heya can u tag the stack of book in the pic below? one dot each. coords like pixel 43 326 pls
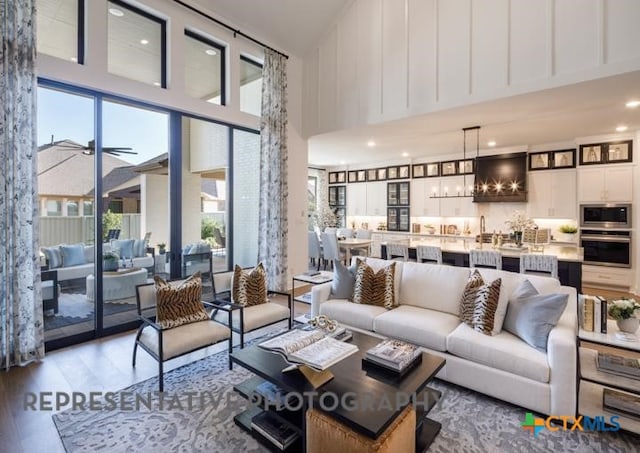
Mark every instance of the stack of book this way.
pixel 621 366
pixel 279 433
pixel 593 313
pixel 394 355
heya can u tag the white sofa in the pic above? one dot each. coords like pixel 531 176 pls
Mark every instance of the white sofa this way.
pixel 502 366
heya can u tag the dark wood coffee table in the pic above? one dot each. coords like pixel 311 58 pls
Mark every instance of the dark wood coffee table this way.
pixel 351 378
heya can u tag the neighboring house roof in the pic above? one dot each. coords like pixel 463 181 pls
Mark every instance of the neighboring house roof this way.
pixel 210 188
pixel 69 172
pixel 157 165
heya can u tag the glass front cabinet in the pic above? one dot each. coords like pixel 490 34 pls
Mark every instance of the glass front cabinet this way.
pixel 398 206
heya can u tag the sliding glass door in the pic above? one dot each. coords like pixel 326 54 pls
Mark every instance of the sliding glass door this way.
pixel 135 205
pixel 66 186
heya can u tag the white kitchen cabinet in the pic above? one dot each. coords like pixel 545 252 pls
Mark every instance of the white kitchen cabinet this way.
pixel 417 197
pixel 376 198
pixel 422 202
pixel 454 206
pixel 552 194
pixel 606 183
pixel 356 199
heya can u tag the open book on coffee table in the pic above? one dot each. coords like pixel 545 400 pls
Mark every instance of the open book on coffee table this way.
pixel 312 348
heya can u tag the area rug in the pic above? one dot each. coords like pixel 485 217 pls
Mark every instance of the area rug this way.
pixel 471 422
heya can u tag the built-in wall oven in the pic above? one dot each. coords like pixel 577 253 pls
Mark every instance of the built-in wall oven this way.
pixel 605 216
pixel 605 234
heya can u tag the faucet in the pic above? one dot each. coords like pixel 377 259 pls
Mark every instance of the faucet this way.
pixel 482 226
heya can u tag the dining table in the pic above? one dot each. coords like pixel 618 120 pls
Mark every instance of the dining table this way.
pixel 348 244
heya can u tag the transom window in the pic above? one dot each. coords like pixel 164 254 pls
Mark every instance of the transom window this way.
pixel 250 86
pixel 60 29
pixel 204 69
pixel 136 44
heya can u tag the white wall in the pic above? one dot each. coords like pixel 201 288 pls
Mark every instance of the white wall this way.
pixel 391 59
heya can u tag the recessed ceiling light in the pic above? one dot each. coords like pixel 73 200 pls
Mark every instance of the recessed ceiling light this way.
pixel 74 59
pixel 116 12
pixel 633 104
pixel 210 52
pixel 144 42
pixel 491 143
pixel 371 143
pixel 621 128
pixel 157 84
pixel 342 162
pixel 405 154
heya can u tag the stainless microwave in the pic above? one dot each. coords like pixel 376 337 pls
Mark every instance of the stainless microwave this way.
pixel 605 215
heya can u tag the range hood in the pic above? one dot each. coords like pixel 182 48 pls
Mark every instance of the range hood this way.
pixel 501 178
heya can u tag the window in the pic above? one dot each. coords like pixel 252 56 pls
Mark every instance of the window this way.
pixel 72 208
pixel 250 86
pixel 204 69
pixel 54 208
pixel 136 44
pixel 87 208
pixel 60 29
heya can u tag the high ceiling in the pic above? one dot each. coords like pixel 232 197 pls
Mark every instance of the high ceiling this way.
pixel 288 25
pixel 558 115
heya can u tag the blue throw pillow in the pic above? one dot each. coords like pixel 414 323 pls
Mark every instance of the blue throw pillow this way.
pixel 344 279
pixel 72 255
pixel 532 316
pixel 54 258
pixel 139 248
pixel 124 247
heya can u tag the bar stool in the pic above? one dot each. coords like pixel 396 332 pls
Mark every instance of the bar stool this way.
pixel 531 263
pixel 429 253
pixel 485 258
pixel 396 250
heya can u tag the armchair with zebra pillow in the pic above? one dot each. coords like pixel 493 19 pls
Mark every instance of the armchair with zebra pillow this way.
pixel 246 292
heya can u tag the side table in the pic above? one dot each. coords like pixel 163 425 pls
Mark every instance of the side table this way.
pixel 610 392
pixel 318 279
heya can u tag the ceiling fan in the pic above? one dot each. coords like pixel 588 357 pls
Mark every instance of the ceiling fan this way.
pixel 90 149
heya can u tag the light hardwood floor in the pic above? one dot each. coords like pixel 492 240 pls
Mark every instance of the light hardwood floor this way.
pixel 100 365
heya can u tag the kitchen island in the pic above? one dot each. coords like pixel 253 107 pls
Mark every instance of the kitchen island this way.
pixel 455 252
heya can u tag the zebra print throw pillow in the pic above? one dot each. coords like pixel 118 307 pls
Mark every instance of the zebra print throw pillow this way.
pixel 374 288
pixel 479 303
pixel 249 288
pixel 179 304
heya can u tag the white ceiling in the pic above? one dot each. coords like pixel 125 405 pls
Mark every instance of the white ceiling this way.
pixel 558 115
pixel 288 25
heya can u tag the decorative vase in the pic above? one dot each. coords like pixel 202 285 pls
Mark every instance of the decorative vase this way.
pixel 518 237
pixel 109 265
pixel 629 325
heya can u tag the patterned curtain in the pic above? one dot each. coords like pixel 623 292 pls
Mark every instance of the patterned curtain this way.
pixel 273 216
pixel 21 324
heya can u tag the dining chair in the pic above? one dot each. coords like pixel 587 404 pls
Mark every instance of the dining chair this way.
pixel 429 254
pixel 344 233
pixel 363 234
pixel 314 248
pixel 397 250
pixel 331 230
pixel 485 258
pixel 330 250
pixel 531 263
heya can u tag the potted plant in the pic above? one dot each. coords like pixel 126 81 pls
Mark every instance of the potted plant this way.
pixel 518 223
pixel 624 312
pixel 162 248
pixel 567 233
pixel 110 261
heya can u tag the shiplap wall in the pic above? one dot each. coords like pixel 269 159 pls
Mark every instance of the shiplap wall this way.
pixel 390 59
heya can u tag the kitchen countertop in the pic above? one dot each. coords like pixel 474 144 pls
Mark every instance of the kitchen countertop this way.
pixel 462 244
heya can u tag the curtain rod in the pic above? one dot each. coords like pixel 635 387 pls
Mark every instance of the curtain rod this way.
pixel 229 27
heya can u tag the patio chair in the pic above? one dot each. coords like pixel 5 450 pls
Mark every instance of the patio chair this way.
pixel 221 241
pixel 166 344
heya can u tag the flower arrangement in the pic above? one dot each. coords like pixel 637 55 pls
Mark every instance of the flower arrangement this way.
pixel 623 309
pixel 519 221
